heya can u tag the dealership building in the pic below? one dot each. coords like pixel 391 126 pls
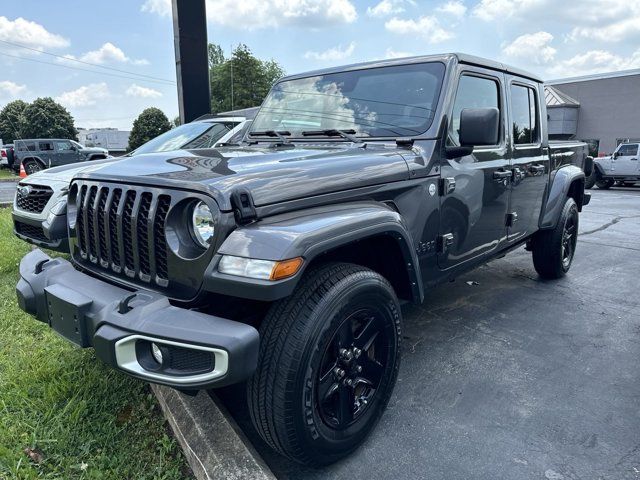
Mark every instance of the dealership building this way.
pixel 602 110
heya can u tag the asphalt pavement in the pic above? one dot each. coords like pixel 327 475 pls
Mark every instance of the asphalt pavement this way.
pixel 506 376
pixel 7 191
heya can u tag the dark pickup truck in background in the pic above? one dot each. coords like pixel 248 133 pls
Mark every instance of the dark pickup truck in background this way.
pixel 38 154
pixel 282 262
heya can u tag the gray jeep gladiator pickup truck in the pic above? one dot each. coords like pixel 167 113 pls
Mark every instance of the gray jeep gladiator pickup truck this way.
pixel 36 155
pixel 282 262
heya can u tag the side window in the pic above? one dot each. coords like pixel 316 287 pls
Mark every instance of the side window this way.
pixel 45 146
pixel 31 146
pixel 473 92
pixel 524 110
pixel 63 146
pixel 628 150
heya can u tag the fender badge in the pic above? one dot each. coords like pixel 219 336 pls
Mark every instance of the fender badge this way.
pixel 432 189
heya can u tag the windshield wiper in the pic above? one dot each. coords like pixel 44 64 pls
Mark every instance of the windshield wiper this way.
pixel 333 132
pixel 272 133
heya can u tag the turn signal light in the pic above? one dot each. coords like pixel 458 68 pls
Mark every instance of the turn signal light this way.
pixel 286 268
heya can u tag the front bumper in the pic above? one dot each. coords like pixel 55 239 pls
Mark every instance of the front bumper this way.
pixel 121 325
pixel 50 233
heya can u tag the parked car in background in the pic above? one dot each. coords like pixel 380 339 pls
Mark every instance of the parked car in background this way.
pixel 281 263
pixel 39 206
pixel 623 167
pixel 7 155
pixel 38 154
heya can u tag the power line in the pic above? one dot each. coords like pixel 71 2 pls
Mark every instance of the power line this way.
pixel 4 53
pixel 87 63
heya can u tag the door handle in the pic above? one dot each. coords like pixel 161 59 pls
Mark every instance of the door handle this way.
pixel 536 168
pixel 634 159
pixel 502 174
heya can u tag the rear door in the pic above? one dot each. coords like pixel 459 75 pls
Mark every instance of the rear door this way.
pixel 46 152
pixel 474 188
pixel 529 158
pixel 626 161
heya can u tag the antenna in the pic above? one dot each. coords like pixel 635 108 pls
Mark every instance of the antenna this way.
pixel 231 77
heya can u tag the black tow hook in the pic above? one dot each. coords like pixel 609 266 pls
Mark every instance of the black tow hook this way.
pixel 123 306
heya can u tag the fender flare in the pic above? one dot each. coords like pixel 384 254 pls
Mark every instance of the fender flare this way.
pixel 598 169
pixel 309 233
pixel 559 189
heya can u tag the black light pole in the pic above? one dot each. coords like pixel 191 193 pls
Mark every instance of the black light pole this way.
pixel 192 68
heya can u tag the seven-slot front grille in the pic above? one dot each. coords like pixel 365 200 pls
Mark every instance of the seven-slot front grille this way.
pixel 122 230
pixel 33 198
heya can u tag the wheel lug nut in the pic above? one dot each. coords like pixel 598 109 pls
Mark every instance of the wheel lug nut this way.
pixel 348 381
pixel 343 352
pixel 357 352
pixel 359 369
pixel 339 372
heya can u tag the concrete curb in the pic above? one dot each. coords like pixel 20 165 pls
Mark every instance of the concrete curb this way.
pixel 213 444
pixel 10 180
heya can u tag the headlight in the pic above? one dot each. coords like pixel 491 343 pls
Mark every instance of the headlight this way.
pixel 202 224
pixel 259 269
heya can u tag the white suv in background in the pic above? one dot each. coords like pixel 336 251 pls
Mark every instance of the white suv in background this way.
pixel 622 167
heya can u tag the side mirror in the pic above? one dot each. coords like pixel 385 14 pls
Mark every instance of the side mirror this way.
pixel 615 155
pixel 479 126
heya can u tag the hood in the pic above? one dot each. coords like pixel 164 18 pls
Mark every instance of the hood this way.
pixel 65 173
pixel 94 150
pixel 272 175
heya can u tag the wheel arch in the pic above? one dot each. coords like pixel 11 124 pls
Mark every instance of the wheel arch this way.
pixel 568 181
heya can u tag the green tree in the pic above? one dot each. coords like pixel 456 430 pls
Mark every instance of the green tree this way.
pixel 149 124
pixel 241 81
pixel 10 119
pixel 45 118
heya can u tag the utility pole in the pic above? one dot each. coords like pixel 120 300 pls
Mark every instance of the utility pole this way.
pixel 192 65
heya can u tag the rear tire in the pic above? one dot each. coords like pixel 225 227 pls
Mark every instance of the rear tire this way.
pixel 32 166
pixel 604 183
pixel 553 250
pixel 590 180
pixel 329 358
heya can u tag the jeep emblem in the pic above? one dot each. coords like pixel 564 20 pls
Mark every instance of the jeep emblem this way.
pixel 432 189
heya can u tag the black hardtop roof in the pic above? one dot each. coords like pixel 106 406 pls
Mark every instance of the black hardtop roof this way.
pixel 444 57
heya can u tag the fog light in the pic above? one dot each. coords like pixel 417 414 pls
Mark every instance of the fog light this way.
pixel 157 353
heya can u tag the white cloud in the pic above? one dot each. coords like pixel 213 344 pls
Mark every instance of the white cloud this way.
pixel 614 32
pixel 532 47
pixel 491 9
pixel 335 53
pixel 107 53
pixel 391 53
pixel 11 89
pixel 427 27
pixel 595 61
pixel 30 34
pixel 143 92
pixel 85 96
pixel 385 8
pixel 255 14
pixel 453 7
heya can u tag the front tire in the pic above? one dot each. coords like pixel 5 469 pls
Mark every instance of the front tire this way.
pixel 553 250
pixel 329 359
pixel 591 180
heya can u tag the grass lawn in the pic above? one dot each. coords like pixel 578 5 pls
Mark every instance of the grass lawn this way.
pixel 63 414
pixel 6 173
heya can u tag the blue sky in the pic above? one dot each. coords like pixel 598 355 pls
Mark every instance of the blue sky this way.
pixel 552 38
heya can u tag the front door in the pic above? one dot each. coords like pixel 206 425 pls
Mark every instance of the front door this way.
pixel 474 188
pixel 626 160
pixel 65 153
pixel 529 160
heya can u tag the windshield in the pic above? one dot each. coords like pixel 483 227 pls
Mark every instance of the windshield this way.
pixel 189 135
pixel 377 102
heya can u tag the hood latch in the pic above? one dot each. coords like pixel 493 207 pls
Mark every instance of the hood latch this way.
pixel 243 208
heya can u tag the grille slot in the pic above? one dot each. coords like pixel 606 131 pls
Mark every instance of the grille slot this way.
pixel 35 200
pixel 31 231
pixel 121 229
